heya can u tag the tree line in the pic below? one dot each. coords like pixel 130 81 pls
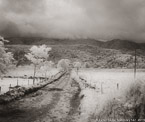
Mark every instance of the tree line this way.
pixel 38 56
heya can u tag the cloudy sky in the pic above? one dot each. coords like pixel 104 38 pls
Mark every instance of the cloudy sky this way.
pixel 99 19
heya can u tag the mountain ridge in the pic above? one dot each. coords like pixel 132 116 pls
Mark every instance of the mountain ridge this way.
pixel 112 44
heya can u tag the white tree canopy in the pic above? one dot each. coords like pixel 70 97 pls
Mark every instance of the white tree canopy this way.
pixel 64 64
pixel 38 54
pixel 47 65
pixel 5 57
pixel 77 64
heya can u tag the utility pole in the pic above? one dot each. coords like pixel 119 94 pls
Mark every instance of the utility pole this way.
pixel 135 64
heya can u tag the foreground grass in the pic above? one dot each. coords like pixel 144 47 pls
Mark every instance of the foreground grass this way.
pixel 131 106
pixel 112 104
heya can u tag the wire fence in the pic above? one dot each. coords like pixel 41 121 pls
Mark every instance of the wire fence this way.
pixel 7 84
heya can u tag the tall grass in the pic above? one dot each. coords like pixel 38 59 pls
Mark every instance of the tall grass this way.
pixel 131 106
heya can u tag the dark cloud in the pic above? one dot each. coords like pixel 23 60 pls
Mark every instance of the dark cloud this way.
pixel 117 18
pixel 100 19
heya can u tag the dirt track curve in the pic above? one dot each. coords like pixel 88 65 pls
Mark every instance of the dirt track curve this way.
pixel 58 102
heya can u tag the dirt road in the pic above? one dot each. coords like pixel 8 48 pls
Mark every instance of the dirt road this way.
pixel 58 102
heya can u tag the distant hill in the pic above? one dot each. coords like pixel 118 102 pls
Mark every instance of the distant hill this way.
pixel 93 56
pixel 111 54
pixel 51 41
pixel 113 44
pixel 122 44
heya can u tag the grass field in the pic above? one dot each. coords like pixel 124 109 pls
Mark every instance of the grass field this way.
pixel 106 89
pixel 22 72
pixel 110 78
pixel 28 71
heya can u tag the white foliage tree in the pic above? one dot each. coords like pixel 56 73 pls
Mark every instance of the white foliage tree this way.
pixel 64 64
pixel 47 65
pixel 38 55
pixel 5 57
pixel 77 65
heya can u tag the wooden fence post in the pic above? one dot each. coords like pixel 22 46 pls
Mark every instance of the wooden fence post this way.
pixel 101 87
pixel 9 87
pixel 117 86
pixel 17 82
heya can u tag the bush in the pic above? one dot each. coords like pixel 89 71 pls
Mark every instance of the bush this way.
pixel 19 56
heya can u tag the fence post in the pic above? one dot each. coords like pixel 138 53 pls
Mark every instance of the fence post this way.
pixel 0 89
pixel 101 87
pixel 17 82
pixel 117 86
pixel 9 87
pixel 28 81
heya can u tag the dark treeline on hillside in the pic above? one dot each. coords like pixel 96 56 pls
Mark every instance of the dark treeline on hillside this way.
pixel 112 54
pixel 113 44
pixel 93 56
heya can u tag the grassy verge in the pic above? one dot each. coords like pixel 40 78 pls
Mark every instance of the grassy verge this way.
pixel 131 106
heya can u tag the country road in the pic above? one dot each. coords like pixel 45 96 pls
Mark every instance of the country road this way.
pixel 57 102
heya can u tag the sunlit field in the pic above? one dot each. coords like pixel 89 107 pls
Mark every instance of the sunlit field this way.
pixel 29 71
pixel 108 84
pixel 112 80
